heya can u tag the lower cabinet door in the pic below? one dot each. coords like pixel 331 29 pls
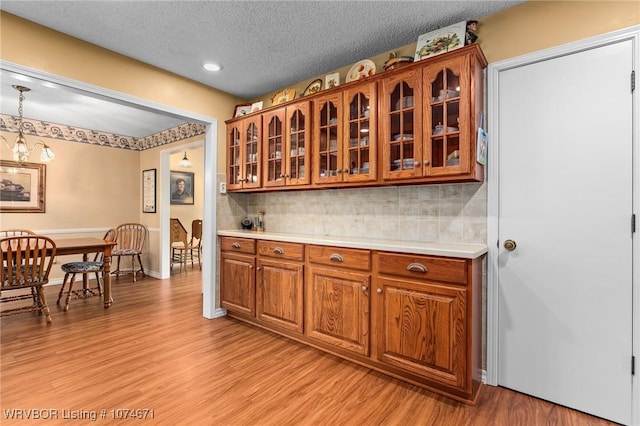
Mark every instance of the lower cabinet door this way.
pixel 238 283
pixel 279 294
pixel 421 329
pixel 337 308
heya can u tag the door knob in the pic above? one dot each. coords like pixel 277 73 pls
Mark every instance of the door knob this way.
pixel 510 245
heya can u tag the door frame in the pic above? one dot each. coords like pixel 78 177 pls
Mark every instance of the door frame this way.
pixel 493 77
pixel 210 306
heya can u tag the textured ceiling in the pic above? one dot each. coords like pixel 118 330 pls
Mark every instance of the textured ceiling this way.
pixel 263 46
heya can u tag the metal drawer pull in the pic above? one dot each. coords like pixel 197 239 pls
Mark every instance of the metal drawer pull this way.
pixel 235 245
pixel 336 257
pixel 278 250
pixel 417 267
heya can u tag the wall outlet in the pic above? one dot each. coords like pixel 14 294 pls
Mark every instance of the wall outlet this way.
pixel 223 187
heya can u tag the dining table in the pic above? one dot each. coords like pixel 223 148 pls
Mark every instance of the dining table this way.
pixel 86 246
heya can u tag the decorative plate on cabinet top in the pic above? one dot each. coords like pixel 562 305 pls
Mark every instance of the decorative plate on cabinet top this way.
pixel 282 96
pixel 314 87
pixel 360 70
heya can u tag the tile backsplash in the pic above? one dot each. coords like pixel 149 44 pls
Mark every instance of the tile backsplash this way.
pixel 446 213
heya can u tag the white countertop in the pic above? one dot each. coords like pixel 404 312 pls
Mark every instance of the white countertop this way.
pixel 462 250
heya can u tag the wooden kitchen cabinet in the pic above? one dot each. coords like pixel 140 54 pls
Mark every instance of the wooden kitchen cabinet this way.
pixel 338 298
pixel 429 119
pixel 279 285
pixel 244 149
pixel 287 133
pixel 415 317
pixel 415 124
pixel 345 136
pixel 424 313
pixel 237 275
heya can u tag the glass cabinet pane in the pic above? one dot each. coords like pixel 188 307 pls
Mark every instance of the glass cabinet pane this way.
pixel 234 156
pixel 274 149
pixel 401 139
pixel 359 124
pixel 297 145
pixel 328 146
pixel 251 153
pixel 445 119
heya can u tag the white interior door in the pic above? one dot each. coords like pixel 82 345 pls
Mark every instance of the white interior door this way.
pixel 565 198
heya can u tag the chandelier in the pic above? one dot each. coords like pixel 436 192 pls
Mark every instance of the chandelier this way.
pixel 20 148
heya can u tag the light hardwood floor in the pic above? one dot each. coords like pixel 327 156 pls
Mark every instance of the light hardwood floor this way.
pixel 153 350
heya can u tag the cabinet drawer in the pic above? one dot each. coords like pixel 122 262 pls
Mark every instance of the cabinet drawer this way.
pixel 342 257
pixel 239 245
pixel 291 251
pixel 423 267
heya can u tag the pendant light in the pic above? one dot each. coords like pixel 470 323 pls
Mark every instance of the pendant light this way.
pixel 20 148
pixel 185 162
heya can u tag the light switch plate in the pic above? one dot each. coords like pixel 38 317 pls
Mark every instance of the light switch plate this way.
pixel 223 187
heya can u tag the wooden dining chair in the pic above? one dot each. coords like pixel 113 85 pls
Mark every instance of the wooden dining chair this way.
pixel 96 267
pixel 188 249
pixel 26 263
pixel 130 238
pixel 14 233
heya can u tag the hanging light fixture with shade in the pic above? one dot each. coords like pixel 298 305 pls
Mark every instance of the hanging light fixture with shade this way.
pixel 185 162
pixel 20 148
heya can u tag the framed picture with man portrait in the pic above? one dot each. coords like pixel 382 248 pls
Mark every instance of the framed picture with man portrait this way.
pixel 181 187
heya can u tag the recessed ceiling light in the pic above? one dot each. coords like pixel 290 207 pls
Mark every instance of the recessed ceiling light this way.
pixel 210 66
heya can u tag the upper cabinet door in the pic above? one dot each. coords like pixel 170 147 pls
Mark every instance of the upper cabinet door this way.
pixel 327 133
pixel 251 152
pixel 298 147
pixel 401 125
pixel 448 131
pixel 359 145
pixel 273 148
pixel 234 156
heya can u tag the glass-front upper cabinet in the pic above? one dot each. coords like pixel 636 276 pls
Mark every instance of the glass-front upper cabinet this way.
pixel 286 139
pixel 360 143
pixel 243 153
pixel 447 124
pixel 327 136
pixel 273 140
pixel 298 137
pixel 401 134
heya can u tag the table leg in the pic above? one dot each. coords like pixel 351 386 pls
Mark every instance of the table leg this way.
pixel 106 278
pixel 85 277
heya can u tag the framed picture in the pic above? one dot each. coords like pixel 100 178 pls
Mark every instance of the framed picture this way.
pixel 23 187
pixel 241 109
pixel 256 106
pixel 441 41
pixel 332 80
pixel 149 191
pixel 181 187
pixel 314 87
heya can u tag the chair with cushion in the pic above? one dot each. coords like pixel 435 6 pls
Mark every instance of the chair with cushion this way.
pixel 85 267
pixel 26 262
pixel 130 238
pixel 183 251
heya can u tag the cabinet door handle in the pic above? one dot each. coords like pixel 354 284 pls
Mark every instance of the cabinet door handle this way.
pixel 426 162
pixel 278 250
pixel 379 291
pixel 250 266
pixel 235 245
pixel 258 268
pixel 336 257
pixel 365 288
pixel 417 267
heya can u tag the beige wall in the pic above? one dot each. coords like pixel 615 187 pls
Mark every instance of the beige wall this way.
pixel 525 28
